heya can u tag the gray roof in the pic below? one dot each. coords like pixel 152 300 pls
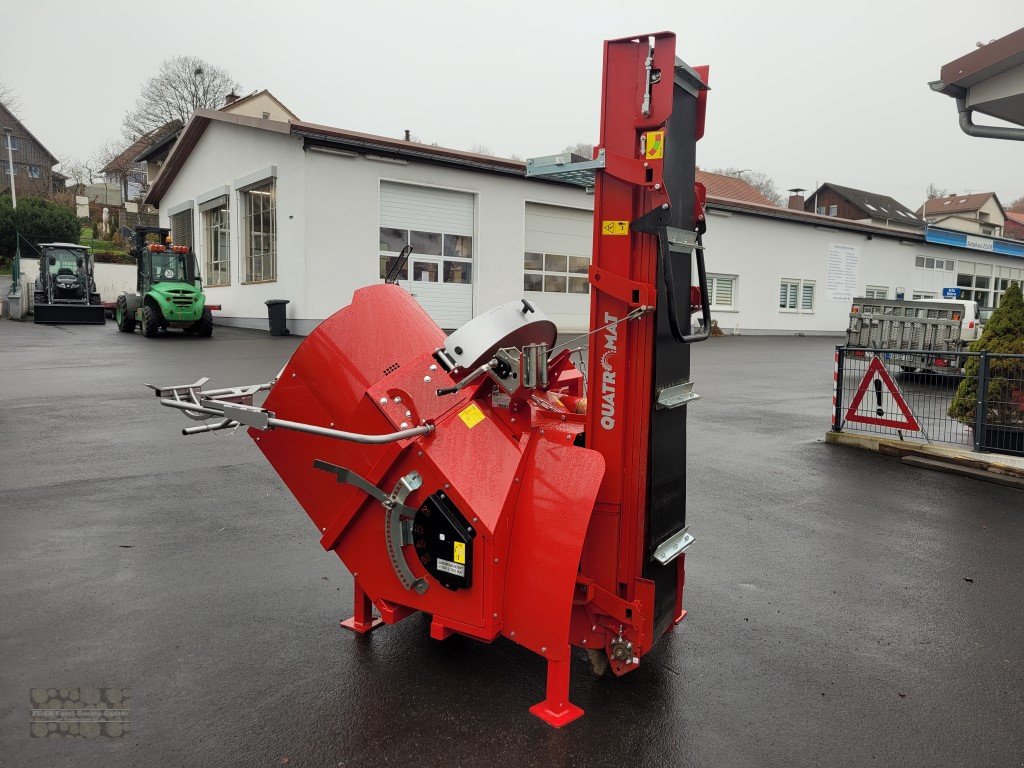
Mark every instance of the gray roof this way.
pixel 877 206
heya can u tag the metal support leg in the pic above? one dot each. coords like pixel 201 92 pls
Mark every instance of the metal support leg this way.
pixel 363 620
pixel 556 709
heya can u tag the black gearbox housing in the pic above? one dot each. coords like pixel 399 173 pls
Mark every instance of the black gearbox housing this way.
pixel 444 542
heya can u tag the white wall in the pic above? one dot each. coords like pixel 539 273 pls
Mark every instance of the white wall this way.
pixel 111 279
pixel 342 198
pixel 224 154
pixel 328 218
pixel 761 252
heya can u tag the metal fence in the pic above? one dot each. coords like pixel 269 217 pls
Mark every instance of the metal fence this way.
pixel 973 399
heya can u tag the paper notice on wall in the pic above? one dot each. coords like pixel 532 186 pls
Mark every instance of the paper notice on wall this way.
pixel 841 272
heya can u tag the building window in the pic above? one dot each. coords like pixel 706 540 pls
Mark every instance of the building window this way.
pixel 833 210
pixel 15 142
pixel 876 292
pixel 917 295
pixel 1005 276
pixel 796 296
pixel 181 228
pixel 217 236
pixel 7 169
pixel 34 171
pixel 975 282
pixel 455 253
pixel 259 232
pixel 723 291
pixel 266 115
pixel 928 262
pixel 555 273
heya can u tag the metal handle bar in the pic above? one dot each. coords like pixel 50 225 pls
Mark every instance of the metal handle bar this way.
pixel 295 426
pixel 670 292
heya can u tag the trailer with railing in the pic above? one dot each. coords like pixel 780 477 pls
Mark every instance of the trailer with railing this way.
pixel 916 334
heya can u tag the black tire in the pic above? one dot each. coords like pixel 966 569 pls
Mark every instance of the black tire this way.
pixel 204 326
pixel 125 323
pixel 150 321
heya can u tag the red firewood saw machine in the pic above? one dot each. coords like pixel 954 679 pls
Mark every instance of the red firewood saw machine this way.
pixel 483 478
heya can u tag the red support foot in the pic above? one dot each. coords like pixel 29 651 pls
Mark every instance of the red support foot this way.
pixel 556 709
pixel 363 620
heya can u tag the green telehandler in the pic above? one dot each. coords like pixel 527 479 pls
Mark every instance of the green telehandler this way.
pixel 169 291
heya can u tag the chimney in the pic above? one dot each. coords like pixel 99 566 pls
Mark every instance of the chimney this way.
pixel 796 199
pixel 230 99
pixel 408 135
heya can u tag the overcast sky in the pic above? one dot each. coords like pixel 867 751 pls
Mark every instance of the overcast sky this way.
pixel 806 92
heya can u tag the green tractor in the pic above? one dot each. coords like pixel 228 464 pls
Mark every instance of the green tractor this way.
pixel 169 292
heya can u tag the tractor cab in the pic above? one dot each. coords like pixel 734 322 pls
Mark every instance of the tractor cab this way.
pixel 66 266
pixel 168 264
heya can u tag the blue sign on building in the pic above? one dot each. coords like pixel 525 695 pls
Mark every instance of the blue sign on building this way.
pixel 951 293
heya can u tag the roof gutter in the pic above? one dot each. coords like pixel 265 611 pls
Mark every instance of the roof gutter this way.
pixel 968 126
pixel 364 146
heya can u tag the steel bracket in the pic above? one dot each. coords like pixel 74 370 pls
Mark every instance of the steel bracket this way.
pixel 676 395
pixel 674 546
pixel 633 293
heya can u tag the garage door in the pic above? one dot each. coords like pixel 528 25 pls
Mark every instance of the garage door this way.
pixel 438 223
pixel 558 247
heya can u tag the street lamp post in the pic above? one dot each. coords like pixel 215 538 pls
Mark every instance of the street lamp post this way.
pixel 8 133
pixel 14 305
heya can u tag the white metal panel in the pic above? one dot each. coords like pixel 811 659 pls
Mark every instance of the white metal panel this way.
pixel 450 306
pixel 408 206
pixel 428 209
pixel 556 229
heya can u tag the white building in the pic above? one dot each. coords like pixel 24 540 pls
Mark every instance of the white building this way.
pixel 310 213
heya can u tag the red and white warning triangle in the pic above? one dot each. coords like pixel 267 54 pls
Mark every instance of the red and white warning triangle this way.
pixel 877 378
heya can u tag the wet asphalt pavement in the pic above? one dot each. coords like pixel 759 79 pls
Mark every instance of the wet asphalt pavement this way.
pixel 845 609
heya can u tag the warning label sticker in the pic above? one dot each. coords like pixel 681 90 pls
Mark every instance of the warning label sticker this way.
pixel 655 145
pixel 455 569
pixel 459 556
pixel 614 227
pixel 471 415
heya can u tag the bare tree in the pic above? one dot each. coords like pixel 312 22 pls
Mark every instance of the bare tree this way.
pixel 1017 206
pixel 480 149
pixel 80 173
pixel 762 182
pixel 581 148
pixel 182 85
pixel 933 192
pixel 9 98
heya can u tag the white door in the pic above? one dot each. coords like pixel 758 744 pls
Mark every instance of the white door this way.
pixel 438 223
pixel 555 264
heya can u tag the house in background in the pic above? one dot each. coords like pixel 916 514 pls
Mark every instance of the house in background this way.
pixel 859 205
pixel 124 171
pixel 33 163
pixel 260 104
pixel 1014 226
pixel 977 214
pixel 731 188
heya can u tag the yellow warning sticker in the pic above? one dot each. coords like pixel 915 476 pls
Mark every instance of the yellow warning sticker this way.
pixel 459 555
pixel 471 415
pixel 614 227
pixel 655 145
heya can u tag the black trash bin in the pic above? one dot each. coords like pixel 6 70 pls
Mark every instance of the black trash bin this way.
pixel 276 309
